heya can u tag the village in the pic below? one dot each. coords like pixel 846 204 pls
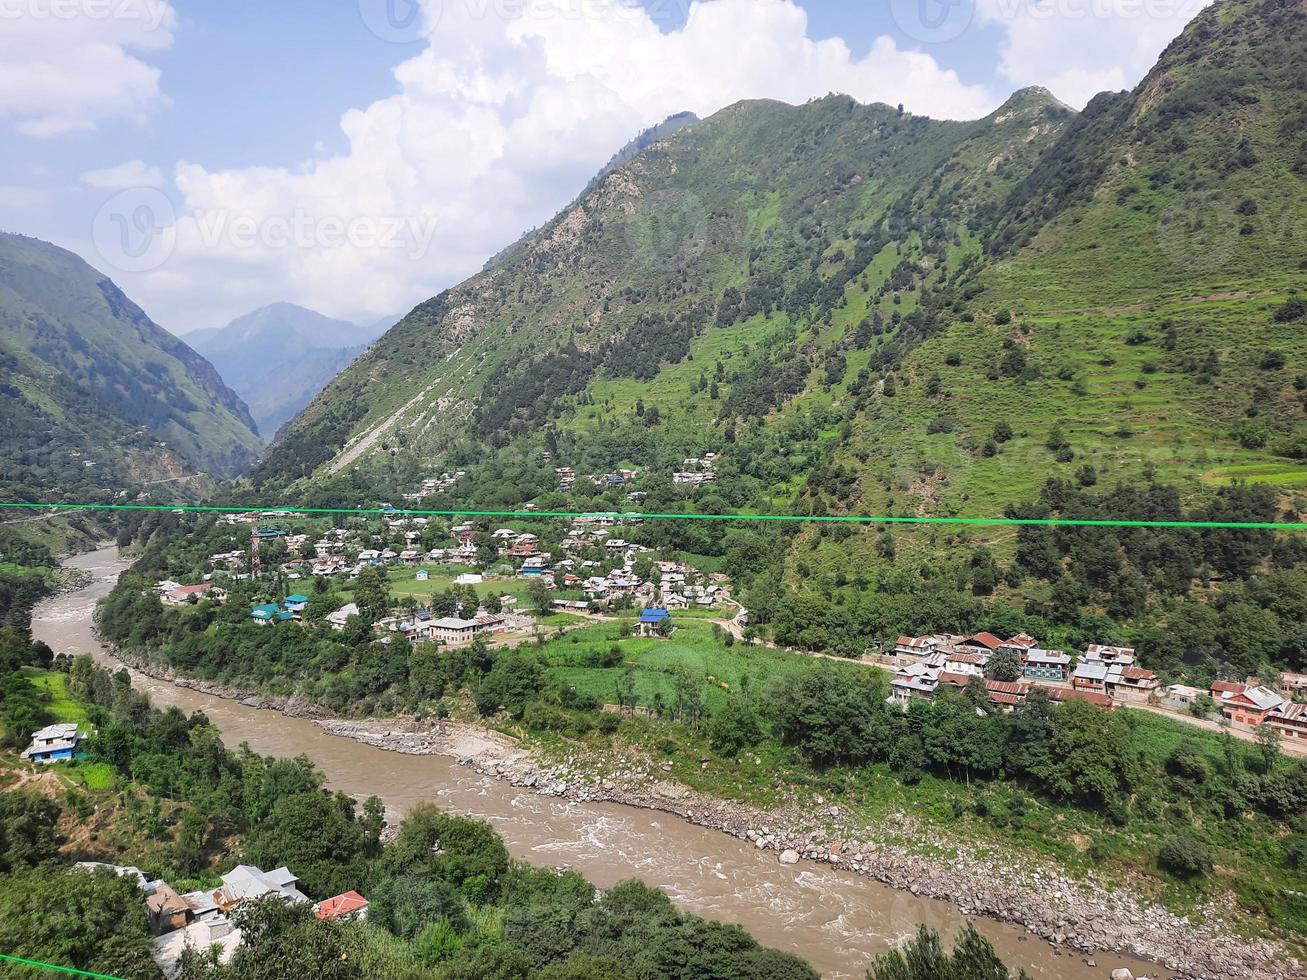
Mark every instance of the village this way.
pixel 590 572
pixel 1103 675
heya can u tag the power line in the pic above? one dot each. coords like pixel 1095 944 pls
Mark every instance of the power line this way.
pixel 634 515
pixel 38 965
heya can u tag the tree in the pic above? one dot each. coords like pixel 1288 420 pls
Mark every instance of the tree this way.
pixel 281 940
pixel 924 958
pixel 1004 665
pixel 407 904
pixel 735 727
pixel 91 921
pixel 27 830
pixel 514 680
pixel 372 594
pixel 317 835
pixel 1268 743
pixel 540 594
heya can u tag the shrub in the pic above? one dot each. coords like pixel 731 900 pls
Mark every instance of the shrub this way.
pixel 1185 855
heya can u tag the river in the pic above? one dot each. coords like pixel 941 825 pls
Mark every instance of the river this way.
pixel 836 920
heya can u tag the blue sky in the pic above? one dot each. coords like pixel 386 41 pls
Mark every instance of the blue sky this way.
pixel 403 152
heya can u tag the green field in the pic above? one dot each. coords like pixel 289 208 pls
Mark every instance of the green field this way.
pixel 692 648
pixel 62 706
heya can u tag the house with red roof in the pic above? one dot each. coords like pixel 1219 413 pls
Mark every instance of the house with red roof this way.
pixel 1289 720
pixel 350 905
pixel 1248 706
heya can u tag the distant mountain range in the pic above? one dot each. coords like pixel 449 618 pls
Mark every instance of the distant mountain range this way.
pixel 279 357
pixel 93 394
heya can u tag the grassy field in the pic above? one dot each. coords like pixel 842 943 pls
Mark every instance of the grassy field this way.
pixel 404 582
pixel 62 706
pixel 693 648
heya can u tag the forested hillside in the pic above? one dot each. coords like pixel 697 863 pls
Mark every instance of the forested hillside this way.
pixel 96 398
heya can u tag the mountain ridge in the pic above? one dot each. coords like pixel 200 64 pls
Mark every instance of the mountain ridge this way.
pixel 834 260
pixel 88 370
pixel 280 356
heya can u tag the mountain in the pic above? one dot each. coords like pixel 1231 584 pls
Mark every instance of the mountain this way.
pixel 870 311
pixel 93 393
pixel 278 357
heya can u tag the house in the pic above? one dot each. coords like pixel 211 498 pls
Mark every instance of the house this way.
pixel 350 905
pixel 1006 695
pixel 913 648
pixel 965 664
pixel 1062 694
pixel 1090 677
pixel 1131 683
pixel 1047 665
pixel 654 621
pixel 296 602
pixel 423 575
pixel 1289 720
pixel 199 935
pixel 673 600
pixel 1290 684
pixel 1019 645
pixel 1099 653
pixel 984 644
pixel 54 743
pixel 270 613
pixel 454 629
pixel 245 882
pixel 1249 706
pixel 167 910
pixel 183 594
pixel 340 617
pixel 1183 695
pixel 914 681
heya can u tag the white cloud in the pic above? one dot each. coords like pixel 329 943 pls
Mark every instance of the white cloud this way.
pixel 67 65
pixel 494 125
pixel 133 173
pixel 1078 48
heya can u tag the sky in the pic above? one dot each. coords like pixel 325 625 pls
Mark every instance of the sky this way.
pixel 358 156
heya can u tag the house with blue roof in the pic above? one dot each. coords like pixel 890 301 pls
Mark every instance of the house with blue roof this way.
pixel 270 613
pixel 655 622
pixel 295 603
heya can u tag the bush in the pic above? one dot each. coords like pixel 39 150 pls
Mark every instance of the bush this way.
pixel 1186 856
pixel 1290 310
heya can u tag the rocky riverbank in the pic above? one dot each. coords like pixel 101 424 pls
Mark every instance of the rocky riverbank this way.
pixel 1080 917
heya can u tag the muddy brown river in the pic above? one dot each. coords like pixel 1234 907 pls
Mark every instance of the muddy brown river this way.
pixel 836 920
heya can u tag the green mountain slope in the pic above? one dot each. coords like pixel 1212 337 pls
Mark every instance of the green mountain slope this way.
pixel 94 394
pixel 781 204
pixel 848 301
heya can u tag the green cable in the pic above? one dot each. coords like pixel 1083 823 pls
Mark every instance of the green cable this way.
pixel 532 514
pixel 38 965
